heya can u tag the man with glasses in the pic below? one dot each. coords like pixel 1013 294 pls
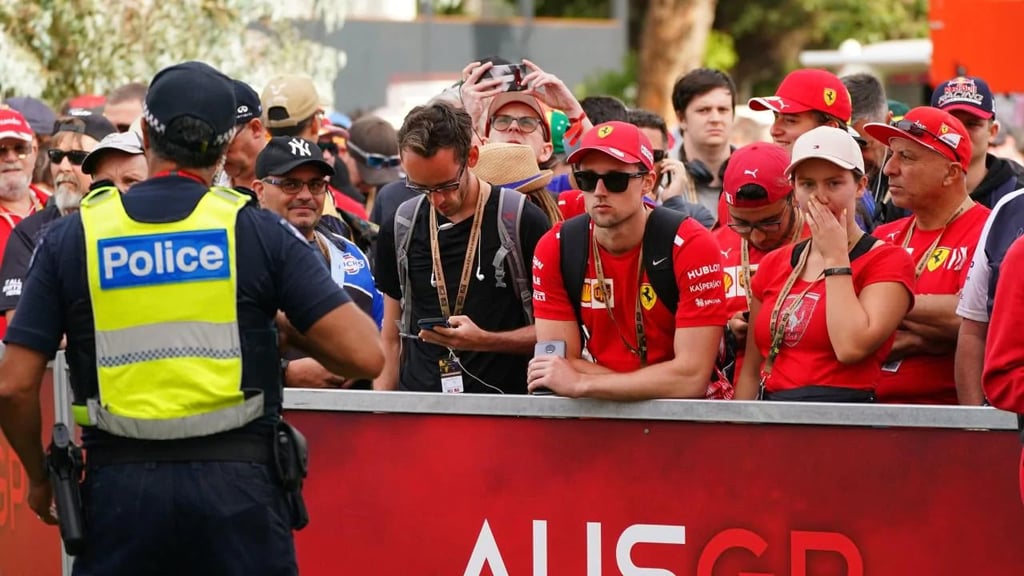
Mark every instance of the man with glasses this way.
pixel 763 216
pixel 291 181
pixel 447 285
pixel 927 171
pixel 642 346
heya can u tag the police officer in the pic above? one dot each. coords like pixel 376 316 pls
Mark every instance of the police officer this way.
pixel 169 297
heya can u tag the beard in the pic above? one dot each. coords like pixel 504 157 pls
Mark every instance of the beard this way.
pixel 67 192
pixel 13 185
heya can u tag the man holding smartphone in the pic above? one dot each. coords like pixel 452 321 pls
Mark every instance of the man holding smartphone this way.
pixel 645 341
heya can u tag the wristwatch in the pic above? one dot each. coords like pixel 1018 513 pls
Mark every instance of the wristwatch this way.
pixel 843 271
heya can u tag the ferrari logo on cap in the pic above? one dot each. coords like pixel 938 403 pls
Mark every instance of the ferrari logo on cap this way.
pixel 604 131
pixel 943 129
pixel 830 96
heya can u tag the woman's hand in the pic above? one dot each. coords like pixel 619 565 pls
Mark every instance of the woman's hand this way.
pixel 830 236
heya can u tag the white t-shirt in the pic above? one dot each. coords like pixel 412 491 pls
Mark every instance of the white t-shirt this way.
pixel 973 303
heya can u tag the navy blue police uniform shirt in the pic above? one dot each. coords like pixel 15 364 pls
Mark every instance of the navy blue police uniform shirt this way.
pixel 277 270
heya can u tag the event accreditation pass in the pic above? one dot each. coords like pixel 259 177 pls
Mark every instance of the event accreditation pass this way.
pixel 451 376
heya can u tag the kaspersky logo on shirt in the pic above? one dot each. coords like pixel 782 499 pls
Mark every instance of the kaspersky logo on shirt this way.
pixel 163 259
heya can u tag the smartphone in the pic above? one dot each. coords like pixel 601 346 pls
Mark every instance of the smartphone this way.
pixel 431 323
pixel 512 74
pixel 548 348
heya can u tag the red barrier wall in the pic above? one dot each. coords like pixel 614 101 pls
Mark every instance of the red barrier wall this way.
pixel 27 546
pixel 410 494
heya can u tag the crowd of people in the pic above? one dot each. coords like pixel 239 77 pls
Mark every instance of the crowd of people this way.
pixel 636 243
pixel 196 245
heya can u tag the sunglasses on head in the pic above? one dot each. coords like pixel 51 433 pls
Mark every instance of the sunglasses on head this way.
pixel 76 157
pixel 915 128
pixel 614 181
pixel 374 160
pixel 20 150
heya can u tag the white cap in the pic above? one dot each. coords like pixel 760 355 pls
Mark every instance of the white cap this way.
pixel 828 143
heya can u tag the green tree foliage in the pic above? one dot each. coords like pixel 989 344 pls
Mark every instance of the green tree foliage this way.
pixel 57 49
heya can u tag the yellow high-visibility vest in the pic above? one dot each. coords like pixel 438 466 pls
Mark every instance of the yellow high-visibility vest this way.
pixel 168 349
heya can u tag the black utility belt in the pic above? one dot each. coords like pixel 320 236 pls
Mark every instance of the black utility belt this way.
pixel 816 393
pixel 239 448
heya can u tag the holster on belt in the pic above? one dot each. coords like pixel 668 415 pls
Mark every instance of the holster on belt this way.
pixel 65 465
pixel 291 459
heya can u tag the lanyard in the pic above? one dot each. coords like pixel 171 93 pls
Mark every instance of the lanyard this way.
pixel 777 325
pixel 467 263
pixel 641 337
pixel 922 261
pixel 798 222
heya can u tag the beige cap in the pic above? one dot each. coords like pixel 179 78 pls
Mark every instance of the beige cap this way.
pixel 828 143
pixel 288 100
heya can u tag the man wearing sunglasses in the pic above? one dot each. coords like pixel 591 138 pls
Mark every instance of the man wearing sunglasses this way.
pixel 448 286
pixel 641 350
pixel 291 181
pixel 927 171
pixel 18 198
pixel 371 155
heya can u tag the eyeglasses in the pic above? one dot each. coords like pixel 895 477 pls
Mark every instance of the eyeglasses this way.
pixel 915 128
pixel 373 160
pixel 613 181
pixel 20 150
pixel 441 188
pixel 76 157
pixel 527 124
pixel 660 155
pixel 292 186
pixel 768 226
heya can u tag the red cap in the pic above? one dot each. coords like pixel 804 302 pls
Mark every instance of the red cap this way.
pixel 932 128
pixel 620 140
pixel 808 89
pixel 759 163
pixel 14 125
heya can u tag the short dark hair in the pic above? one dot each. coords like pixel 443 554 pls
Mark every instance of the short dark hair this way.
pixel 751 192
pixel 824 118
pixel 128 92
pixel 601 109
pixel 867 96
pixel 193 145
pixel 293 131
pixel 646 119
pixel 698 82
pixel 436 126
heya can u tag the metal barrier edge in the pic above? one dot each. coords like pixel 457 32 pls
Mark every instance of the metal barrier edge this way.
pixel 822 414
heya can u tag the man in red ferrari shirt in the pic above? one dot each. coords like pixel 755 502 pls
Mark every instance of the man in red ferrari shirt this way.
pixel 640 349
pixel 927 171
pixel 1003 378
pixel 763 216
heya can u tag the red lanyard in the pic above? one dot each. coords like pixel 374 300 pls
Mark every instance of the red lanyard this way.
pixel 182 173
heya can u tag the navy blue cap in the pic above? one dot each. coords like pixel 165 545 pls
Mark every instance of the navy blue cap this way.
pixel 196 90
pixel 39 116
pixel 967 94
pixel 286 153
pixel 247 103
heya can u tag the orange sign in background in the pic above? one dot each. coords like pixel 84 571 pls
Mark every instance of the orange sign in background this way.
pixel 977 38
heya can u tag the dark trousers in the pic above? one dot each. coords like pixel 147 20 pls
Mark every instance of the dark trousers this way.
pixel 195 518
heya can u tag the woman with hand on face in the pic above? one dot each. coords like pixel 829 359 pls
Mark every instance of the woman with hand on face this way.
pixel 824 310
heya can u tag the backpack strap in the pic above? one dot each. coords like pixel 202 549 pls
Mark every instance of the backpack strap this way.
pixel 660 235
pixel 572 242
pixel 862 247
pixel 405 217
pixel 510 215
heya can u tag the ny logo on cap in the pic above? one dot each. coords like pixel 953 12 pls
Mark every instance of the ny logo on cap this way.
pixel 830 96
pixel 299 147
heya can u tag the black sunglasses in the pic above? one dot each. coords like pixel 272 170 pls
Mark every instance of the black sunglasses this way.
pixel 76 157
pixel 915 128
pixel 614 182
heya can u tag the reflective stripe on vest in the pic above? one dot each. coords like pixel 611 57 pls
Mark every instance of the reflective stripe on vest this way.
pixel 168 350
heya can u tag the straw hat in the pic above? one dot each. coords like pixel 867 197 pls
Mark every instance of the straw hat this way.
pixel 511 166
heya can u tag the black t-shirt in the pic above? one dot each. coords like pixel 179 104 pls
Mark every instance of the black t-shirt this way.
pixel 277 270
pixel 18 254
pixel 492 308
pixel 389 197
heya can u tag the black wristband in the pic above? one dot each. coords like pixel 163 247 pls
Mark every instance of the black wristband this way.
pixel 844 271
